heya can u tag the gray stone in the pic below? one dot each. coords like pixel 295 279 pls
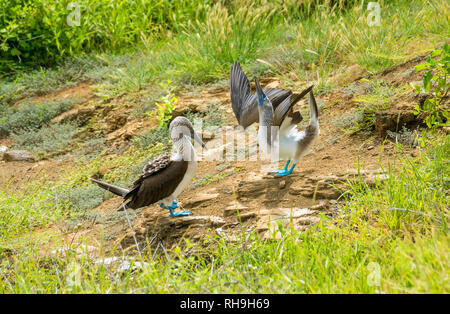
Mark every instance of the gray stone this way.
pixel 18 155
pixel 199 200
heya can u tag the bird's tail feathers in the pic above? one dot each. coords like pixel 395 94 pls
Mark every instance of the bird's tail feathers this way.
pixel 111 188
pixel 314 119
pixel 297 97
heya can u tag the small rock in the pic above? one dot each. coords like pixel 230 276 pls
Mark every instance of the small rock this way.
pixel 307 193
pixel 82 115
pixel 202 220
pixel 18 155
pixel 126 266
pixel 333 139
pixel 328 194
pixel 282 184
pixel 321 206
pixel 233 208
pixel 251 188
pixel 328 179
pixel 319 148
pixel 89 251
pixel 200 199
pixel 370 147
pixel 247 216
pixel 299 219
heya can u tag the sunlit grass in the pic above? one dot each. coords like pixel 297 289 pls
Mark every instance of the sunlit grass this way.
pixel 373 247
pixel 43 201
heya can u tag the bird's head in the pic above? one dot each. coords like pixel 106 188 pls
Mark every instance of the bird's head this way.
pixel 262 98
pixel 181 127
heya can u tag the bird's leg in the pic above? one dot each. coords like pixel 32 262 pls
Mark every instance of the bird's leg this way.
pixel 282 170
pixel 285 172
pixel 172 207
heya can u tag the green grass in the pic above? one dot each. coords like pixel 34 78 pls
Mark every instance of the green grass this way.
pixel 392 238
pixel 370 97
pixel 43 202
pixel 42 31
pixel 67 73
pixel 31 116
pixel 47 141
pixel 265 39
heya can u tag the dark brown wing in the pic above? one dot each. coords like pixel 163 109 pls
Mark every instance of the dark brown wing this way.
pixel 284 107
pixel 153 167
pixel 156 185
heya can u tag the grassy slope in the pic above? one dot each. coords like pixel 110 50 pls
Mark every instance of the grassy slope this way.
pixel 371 248
pixel 403 239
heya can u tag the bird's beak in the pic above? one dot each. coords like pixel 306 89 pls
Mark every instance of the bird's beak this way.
pixel 260 94
pixel 259 90
pixel 196 138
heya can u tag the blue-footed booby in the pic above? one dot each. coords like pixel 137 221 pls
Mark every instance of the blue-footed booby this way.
pixel 245 104
pixel 292 143
pixel 165 177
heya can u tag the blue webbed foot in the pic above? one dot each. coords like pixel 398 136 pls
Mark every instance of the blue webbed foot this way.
pixel 172 207
pixel 183 213
pixel 278 171
pixel 283 173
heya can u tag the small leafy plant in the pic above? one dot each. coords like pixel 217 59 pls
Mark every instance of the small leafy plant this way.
pixel 436 82
pixel 164 108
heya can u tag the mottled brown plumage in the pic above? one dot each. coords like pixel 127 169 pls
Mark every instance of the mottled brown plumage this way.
pixel 156 184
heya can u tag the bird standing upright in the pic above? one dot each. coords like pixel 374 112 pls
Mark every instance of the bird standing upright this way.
pixel 165 177
pixel 292 144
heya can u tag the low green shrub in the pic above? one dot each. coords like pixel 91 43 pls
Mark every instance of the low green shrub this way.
pixel 46 141
pixel 31 116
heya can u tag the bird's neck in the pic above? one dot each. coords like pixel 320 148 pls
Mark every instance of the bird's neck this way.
pixel 265 128
pixel 185 150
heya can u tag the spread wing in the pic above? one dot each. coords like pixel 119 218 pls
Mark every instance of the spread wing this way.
pixel 239 89
pixel 159 180
pixel 245 104
pixel 283 108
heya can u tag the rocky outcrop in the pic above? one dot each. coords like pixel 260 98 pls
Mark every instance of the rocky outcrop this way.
pixel 18 155
pixel 271 221
pixel 333 186
pixel 393 120
pixel 80 115
pixel 162 230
